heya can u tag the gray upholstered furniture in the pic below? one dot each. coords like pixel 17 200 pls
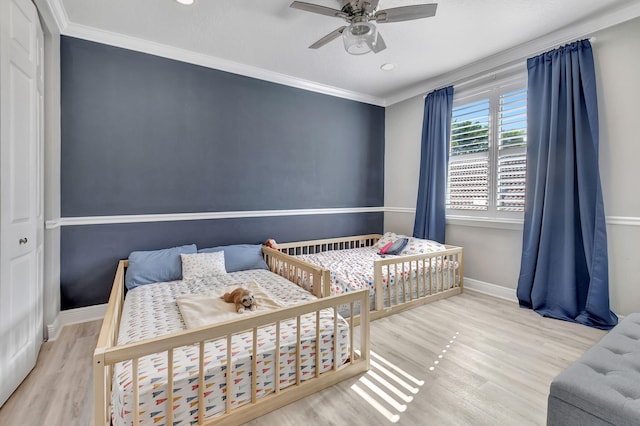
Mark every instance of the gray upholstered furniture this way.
pixel 603 386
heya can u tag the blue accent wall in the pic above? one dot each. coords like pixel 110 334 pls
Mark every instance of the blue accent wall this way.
pixel 142 134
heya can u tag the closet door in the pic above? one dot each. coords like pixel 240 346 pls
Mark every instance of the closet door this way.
pixel 20 192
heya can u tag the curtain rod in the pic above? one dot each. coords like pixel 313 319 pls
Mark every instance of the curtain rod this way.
pixel 465 81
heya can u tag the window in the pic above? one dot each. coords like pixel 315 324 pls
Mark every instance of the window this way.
pixel 487 153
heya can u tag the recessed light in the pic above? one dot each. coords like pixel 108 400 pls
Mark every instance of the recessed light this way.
pixel 387 67
pixel 186 2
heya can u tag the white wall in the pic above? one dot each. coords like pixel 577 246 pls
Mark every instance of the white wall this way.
pixel 617 62
pixel 492 254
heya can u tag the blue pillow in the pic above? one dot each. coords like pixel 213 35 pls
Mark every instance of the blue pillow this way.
pixel 240 257
pixel 146 267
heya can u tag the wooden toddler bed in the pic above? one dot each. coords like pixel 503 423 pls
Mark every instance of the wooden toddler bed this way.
pixel 396 282
pixel 184 376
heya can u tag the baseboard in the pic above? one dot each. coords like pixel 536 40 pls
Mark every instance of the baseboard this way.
pixel 53 330
pixel 74 316
pixel 491 289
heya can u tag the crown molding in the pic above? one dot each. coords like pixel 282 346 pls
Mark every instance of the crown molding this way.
pixel 54 13
pixel 72 29
pixel 509 57
pixel 158 49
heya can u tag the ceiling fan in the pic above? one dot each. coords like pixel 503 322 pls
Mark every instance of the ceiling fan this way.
pixel 361 36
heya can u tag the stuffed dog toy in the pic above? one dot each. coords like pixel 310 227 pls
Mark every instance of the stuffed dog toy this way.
pixel 243 299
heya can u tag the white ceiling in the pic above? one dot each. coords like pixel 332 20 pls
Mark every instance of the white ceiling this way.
pixel 268 36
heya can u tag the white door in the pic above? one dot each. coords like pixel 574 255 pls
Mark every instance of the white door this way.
pixel 21 225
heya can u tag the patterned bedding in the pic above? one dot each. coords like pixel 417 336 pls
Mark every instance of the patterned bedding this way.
pixel 151 311
pixel 352 269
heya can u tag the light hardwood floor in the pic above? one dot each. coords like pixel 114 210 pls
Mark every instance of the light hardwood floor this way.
pixel 469 359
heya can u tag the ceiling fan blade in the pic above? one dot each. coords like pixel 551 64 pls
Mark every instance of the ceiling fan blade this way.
pixel 329 37
pixel 315 8
pixel 406 13
pixel 380 44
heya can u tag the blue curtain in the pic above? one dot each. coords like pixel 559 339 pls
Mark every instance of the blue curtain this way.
pixel 434 158
pixel 564 271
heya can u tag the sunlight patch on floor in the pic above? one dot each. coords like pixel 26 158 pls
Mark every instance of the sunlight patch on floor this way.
pixel 388 388
pixel 444 351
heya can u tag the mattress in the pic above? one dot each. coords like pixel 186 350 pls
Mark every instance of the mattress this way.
pixel 352 269
pixel 151 311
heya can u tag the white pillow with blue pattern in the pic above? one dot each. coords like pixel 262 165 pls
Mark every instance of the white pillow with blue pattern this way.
pixel 419 246
pixel 201 265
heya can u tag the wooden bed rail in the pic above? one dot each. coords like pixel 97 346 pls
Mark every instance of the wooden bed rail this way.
pixel 108 337
pixel 417 279
pixel 317 246
pixel 433 276
pixel 312 278
pixel 107 354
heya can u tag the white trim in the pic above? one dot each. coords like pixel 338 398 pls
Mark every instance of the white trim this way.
pixel 59 13
pixel 478 222
pixel 622 220
pixel 102 220
pixel 52 224
pixel 184 55
pixel 407 210
pixel 75 316
pixel 480 85
pixel 519 53
pixel 504 223
pixel 50 13
pixel 485 222
pixel 491 289
pixel 53 330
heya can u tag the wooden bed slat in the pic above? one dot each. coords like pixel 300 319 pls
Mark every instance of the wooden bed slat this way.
pixel 335 338
pixel 201 383
pixel 317 348
pixel 298 355
pixel 229 373
pixel 276 368
pixel 136 391
pixel 254 365
pixel 170 386
pixel 351 327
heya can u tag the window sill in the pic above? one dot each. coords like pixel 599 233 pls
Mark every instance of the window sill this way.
pixel 485 222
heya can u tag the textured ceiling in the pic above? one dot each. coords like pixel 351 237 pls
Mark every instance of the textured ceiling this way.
pixel 271 36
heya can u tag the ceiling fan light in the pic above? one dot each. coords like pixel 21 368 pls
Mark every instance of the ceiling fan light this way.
pixel 359 38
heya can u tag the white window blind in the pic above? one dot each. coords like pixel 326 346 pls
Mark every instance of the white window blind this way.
pixel 487 153
pixel 512 142
pixel 468 180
